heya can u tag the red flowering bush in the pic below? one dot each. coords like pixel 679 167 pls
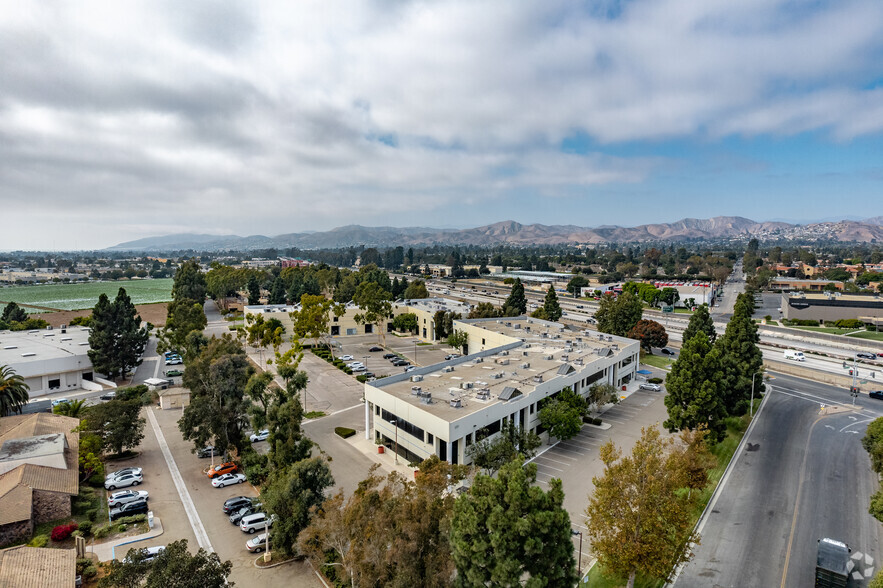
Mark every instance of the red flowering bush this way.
pixel 62 532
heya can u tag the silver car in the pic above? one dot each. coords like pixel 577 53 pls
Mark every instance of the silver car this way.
pixel 124 496
pixel 123 481
pixel 652 387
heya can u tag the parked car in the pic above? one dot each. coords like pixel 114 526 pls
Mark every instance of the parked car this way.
pixel 410 368
pixel 369 374
pixel 235 503
pixel 255 522
pixel 58 401
pixel 150 553
pixel 228 480
pixel 648 386
pixel 123 481
pixel 108 395
pixel 174 360
pixel 259 436
pixel 256 544
pixel 251 508
pixel 174 373
pixel 345 358
pixel 227 467
pixel 207 451
pixel 667 351
pixel 359 368
pixel 124 496
pixel 375 349
pixel 129 509
pixel 123 472
pixel 355 364
pixel 861 354
pixel 401 362
pixel 389 355
pixel 452 356
pixel 877 394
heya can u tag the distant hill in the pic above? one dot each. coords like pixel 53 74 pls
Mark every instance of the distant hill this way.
pixel 513 233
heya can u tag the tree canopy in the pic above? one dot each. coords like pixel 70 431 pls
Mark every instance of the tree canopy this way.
pixel 693 385
pixel 617 315
pixel 516 303
pixel 506 531
pixel 700 321
pixel 551 306
pixel 741 357
pixel 174 567
pixel 650 334
pixel 116 338
pixel 13 391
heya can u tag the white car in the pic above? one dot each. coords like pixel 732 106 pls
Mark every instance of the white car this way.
pixel 58 401
pixel 653 387
pixel 255 522
pixel 256 544
pixel 355 364
pixel 151 553
pixel 259 436
pixel 122 472
pixel 345 358
pixel 123 481
pixel 124 496
pixel 227 480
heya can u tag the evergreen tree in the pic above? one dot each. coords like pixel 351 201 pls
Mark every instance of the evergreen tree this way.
pixel 189 282
pixel 13 313
pixel 617 315
pixel 516 303
pixel 694 397
pixel 116 339
pixel 506 530
pixel 277 292
pixel 551 306
pixel 741 357
pixel 700 321
pixel 254 290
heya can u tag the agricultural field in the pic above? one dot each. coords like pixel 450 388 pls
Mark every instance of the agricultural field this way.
pixel 83 296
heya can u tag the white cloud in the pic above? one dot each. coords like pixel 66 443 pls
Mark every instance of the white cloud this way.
pixel 275 116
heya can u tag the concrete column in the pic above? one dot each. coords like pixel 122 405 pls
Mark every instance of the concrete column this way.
pixel 517 418
pixel 367 420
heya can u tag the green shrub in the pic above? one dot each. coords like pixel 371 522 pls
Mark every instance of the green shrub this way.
pixel 92 513
pixel 82 564
pixel 86 528
pixel 77 533
pixel 597 421
pixel 344 432
pixel 314 414
pixel 255 466
pixel 96 480
pixel 121 528
pixel 362 378
pixel 39 541
pixel 138 518
pixel 655 380
pixel 102 532
pixel 849 324
pixel 588 420
pixel 348 371
pixel 90 571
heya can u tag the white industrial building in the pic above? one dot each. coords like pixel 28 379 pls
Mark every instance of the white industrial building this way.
pixel 49 360
pixel 512 367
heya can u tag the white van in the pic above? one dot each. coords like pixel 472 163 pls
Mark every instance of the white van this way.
pixel 795 355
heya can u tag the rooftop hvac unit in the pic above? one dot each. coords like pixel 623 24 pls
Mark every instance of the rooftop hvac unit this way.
pixel 426 397
pixel 448 368
pixel 600 337
pixel 466 385
pixel 609 338
pixel 564 357
pixel 579 339
pixel 548 357
pixel 497 375
pixel 525 365
pixel 524 353
pixel 503 361
pixel 615 346
pixel 527 345
pixel 527 329
pixel 504 352
pixel 479 360
pixel 416 390
pixel 578 361
pixel 417 378
pixel 517 326
pixel 456 403
pixel 483 394
pixel 538 378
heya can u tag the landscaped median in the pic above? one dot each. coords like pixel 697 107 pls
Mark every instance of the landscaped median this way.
pixel 325 354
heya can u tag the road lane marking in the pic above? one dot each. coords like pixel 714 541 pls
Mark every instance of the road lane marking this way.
pixel 855 423
pixel 186 500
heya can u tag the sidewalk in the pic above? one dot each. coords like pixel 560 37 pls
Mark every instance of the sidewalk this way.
pixel 107 551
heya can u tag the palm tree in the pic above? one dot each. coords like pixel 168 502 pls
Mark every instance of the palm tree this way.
pixel 71 408
pixel 13 391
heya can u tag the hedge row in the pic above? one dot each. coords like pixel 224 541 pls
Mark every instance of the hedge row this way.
pixel 344 432
pixel 592 421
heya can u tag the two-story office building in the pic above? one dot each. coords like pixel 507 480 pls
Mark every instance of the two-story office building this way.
pixel 513 366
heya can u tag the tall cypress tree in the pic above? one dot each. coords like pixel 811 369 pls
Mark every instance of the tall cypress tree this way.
pixel 741 357
pixel 693 388
pixel 277 292
pixel 516 303
pixel 116 339
pixel 254 290
pixel 700 321
pixel 551 306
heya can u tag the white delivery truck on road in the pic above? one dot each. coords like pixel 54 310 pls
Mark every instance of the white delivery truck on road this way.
pixel 794 355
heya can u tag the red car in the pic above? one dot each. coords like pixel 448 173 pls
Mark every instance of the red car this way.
pixel 222 468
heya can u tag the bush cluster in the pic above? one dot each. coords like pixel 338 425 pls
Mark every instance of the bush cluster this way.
pixel 592 420
pixel 255 466
pixel 62 532
pixel 39 541
pixel 138 518
pixel 655 380
pixel 802 322
pixel 86 527
pixel 848 324
pixel 86 568
pixel 102 532
pixel 344 432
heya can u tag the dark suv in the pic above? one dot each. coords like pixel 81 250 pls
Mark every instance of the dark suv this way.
pixel 232 505
pixel 245 510
pixel 128 509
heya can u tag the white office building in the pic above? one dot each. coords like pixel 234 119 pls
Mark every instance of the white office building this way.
pixel 49 360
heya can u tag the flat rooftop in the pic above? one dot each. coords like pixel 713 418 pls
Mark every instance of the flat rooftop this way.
pixel 33 447
pixel 538 352
pixel 17 347
pixel 436 304
pixel 874 300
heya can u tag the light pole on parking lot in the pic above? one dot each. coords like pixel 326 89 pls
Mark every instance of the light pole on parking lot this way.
pixel 580 560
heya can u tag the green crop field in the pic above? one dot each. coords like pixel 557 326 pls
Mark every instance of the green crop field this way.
pixel 80 296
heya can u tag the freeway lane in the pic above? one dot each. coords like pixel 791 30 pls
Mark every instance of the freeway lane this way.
pixel 803 475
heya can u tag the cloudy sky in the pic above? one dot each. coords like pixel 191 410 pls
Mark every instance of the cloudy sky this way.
pixel 121 120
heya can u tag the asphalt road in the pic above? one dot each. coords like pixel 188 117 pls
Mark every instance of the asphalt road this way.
pixel 802 476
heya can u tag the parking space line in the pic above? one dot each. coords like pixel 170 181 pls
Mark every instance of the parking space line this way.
pixel 186 500
pixel 543 465
pixel 568 450
pixel 555 460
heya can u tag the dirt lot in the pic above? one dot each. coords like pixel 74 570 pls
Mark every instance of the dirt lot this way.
pixel 152 313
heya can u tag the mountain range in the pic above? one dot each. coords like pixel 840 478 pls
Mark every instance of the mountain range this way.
pixel 512 233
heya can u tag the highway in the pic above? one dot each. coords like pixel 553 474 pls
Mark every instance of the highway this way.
pixel 802 475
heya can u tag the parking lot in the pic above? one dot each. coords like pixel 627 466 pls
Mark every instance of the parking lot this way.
pixel 412 349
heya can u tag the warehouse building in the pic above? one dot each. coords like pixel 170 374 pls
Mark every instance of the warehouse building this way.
pixel 511 368
pixel 832 306
pixel 49 360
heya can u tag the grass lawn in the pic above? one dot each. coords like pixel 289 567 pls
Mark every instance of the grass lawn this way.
pixel 659 361
pixel 829 330
pixel 724 452
pixel 683 311
pixel 872 335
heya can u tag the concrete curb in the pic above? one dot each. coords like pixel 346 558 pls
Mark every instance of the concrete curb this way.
pixel 161 531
